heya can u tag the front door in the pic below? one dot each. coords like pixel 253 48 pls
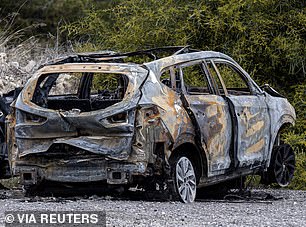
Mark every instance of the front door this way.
pixel 252 129
pixel 251 118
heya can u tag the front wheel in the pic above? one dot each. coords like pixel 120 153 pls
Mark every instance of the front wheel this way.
pixel 184 179
pixel 284 164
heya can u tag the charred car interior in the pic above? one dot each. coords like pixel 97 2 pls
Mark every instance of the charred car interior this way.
pixel 96 91
pixel 182 120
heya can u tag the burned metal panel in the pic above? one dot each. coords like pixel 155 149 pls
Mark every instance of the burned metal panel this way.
pixel 62 124
pixel 5 101
pixel 76 168
pixel 116 147
pixel 171 111
pixel 10 139
pixel 214 120
pixel 158 65
pixel 91 171
pixel 149 132
pixel 253 129
pixel 281 112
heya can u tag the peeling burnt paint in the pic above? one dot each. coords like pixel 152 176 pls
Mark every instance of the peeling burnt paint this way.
pixel 135 138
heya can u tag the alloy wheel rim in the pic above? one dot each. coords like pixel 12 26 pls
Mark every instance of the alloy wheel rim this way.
pixel 185 180
pixel 284 165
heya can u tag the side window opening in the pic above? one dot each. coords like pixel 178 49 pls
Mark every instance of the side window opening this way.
pixel 84 91
pixel 171 78
pixel 165 78
pixel 195 80
pixel 234 81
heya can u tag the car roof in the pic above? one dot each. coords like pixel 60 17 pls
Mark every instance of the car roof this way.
pixel 162 63
pixel 155 55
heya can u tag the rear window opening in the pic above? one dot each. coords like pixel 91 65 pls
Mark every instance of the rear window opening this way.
pixel 84 91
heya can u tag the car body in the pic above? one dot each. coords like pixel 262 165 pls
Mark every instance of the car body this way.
pixel 191 119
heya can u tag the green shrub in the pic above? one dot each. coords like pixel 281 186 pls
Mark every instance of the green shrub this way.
pixel 299 179
pixel 10 183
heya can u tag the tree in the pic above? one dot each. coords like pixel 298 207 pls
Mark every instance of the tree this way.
pixel 45 14
pixel 269 36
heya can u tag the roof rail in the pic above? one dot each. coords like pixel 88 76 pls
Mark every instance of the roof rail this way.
pixel 183 50
pixel 110 56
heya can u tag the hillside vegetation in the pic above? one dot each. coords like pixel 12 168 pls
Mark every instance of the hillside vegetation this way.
pixel 267 37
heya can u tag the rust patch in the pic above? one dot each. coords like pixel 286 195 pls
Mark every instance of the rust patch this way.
pixel 256 128
pixel 256 147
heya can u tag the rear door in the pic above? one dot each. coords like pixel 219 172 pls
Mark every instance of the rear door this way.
pixel 212 116
pixel 250 114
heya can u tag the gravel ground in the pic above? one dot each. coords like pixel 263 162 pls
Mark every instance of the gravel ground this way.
pixel 288 209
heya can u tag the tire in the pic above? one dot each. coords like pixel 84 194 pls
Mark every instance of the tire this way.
pixel 184 179
pixel 282 166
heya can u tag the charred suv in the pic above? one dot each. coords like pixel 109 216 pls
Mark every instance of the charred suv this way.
pixel 179 122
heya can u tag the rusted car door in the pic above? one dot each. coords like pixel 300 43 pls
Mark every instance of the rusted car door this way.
pixel 250 115
pixel 212 116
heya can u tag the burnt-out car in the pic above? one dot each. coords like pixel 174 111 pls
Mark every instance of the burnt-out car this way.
pixel 175 123
pixel 5 102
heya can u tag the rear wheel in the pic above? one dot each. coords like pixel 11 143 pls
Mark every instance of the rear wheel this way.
pixel 184 179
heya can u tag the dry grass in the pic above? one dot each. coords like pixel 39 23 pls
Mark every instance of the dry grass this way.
pixel 20 57
pixel 11 183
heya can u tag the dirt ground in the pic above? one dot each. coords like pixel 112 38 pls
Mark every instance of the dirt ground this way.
pixel 263 208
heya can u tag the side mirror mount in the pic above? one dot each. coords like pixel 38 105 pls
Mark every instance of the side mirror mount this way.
pixel 268 89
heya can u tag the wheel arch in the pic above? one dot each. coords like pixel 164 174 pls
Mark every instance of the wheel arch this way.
pixel 284 122
pixel 190 149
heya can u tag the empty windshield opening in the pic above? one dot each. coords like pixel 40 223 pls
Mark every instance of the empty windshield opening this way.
pixel 84 91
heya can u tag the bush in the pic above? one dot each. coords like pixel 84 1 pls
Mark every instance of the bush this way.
pixel 299 179
pixel 266 37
